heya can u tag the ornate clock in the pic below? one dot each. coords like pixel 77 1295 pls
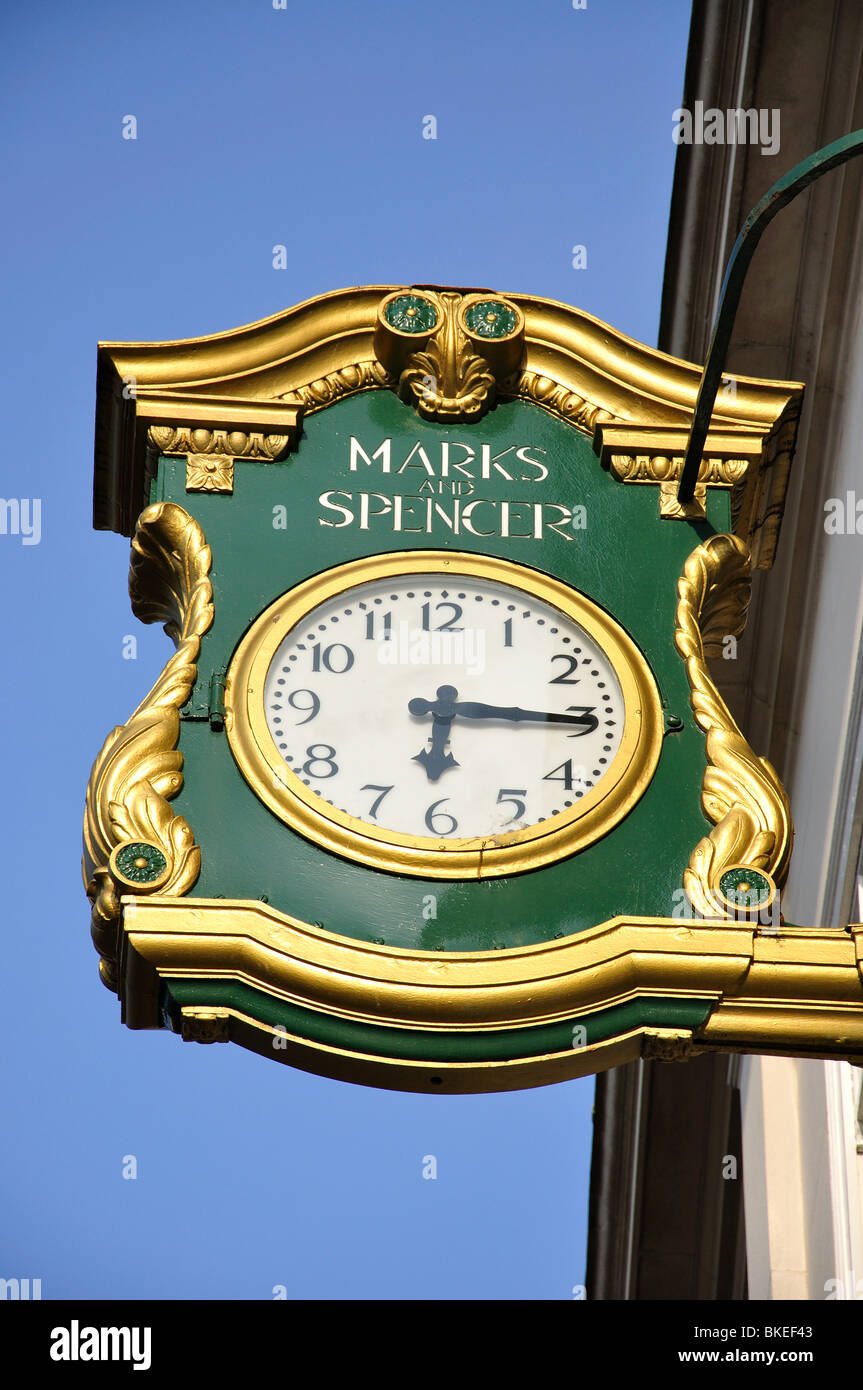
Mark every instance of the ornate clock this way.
pixel 438 790
pixel 445 714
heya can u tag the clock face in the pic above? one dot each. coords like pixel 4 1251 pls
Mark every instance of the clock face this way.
pixel 444 705
pixel 439 713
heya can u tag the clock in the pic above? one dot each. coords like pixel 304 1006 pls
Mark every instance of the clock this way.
pixel 443 714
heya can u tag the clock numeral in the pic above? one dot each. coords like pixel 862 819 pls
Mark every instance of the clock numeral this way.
pixel 457 611
pixel 327 757
pixel 387 623
pixel 433 815
pixel 370 787
pixel 330 662
pixel 304 709
pixel 571 665
pixel 507 628
pixel 572 775
pixel 566 774
pixel 587 718
pixel 514 795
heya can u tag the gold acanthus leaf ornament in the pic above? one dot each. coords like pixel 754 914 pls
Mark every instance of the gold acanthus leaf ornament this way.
pixel 448 381
pixel 741 793
pixel 139 767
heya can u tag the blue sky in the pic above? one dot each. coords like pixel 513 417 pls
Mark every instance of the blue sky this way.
pixel 259 127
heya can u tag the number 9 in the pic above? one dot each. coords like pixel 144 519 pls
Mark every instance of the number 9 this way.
pixel 314 706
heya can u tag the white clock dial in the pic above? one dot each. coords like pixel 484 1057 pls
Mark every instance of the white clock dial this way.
pixel 444 706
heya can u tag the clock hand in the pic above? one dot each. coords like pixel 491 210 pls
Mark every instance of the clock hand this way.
pixel 434 759
pixel 585 718
pixel 447 707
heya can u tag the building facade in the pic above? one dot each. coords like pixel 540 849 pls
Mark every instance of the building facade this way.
pixel 740 1176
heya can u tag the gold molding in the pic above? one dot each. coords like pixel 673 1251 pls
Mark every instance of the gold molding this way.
pixel 286 795
pixel 658 468
pixel 741 794
pixel 754 465
pixel 666 469
pixel 558 399
pixel 669 1045
pixel 139 768
pixel 307 357
pixel 210 452
pixel 205 1025
pixel 263 362
pixel 794 991
pixel 346 381
pixel 189 439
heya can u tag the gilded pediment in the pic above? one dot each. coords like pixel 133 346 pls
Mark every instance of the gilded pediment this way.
pixel 452 354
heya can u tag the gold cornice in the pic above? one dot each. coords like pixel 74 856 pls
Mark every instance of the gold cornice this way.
pixel 246 429
pixel 794 990
pixel 210 452
pixel 645 455
pixel 741 794
pixel 265 360
pixel 363 982
pixel 186 439
pixel 753 465
pixel 139 768
pixel 666 470
pixel 572 365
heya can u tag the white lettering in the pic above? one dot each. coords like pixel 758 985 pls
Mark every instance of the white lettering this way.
pixel 76 1343
pixel 525 457
pixel 384 452
pixel 365 508
pixel 423 460
pixel 336 507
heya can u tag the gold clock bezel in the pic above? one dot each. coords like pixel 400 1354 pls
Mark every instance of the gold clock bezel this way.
pixel 533 847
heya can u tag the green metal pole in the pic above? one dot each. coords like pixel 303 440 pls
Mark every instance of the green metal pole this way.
pixel 778 197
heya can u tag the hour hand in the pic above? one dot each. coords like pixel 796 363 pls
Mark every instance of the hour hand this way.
pixel 435 760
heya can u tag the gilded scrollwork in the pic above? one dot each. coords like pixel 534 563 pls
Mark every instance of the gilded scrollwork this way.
pixel 447 380
pixel 741 793
pixel 139 768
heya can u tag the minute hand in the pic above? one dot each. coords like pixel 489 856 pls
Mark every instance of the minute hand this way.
pixel 470 709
